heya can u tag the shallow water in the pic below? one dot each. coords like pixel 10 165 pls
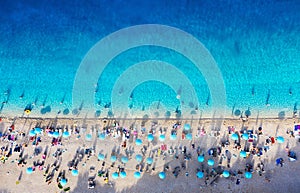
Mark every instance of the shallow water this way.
pixel 255 45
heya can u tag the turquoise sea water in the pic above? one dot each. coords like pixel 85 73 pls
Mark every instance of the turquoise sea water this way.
pixel 255 45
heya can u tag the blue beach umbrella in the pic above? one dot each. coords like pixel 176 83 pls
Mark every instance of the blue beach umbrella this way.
pixel 37 130
pixel 101 156
pixel 234 136
pixel 138 142
pixel 88 137
pixel 29 170
pixel 74 172
pixel 123 174
pixel 115 175
pixel 243 154
pixel 32 133
pixel 162 137
pixel 102 136
pixel 63 182
pixel 189 136
pixel 162 175
pixel 113 158
pixel 50 134
pixel 137 175
pixel 187 127
pixel 245 136
pixel 210 162
pixel 66 134
pixel 199 174
pixel 200 158
pixel 124 159
pixel 150 137
pixel 55 134
pixel 226 173
pixel 248 175
pixel 173 137
pixel 138 158
pixel 280 139
pixel 149 160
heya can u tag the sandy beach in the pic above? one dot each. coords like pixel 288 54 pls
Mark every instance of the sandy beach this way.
pixel 178 159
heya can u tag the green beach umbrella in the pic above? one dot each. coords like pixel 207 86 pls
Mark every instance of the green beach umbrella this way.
pixel 66 134
pixel 149 160
pixel 187 127
pixel 138 158
pixel 162 138
pixel 150 137
pixel 115 175
pixel 200 174
pixel 200 158
pixel 234 136
pixel 123 174
pixel 101 156
pixel 138 142
pixel 210 162
pixel 243 154
pixel 137 175
pixel 248 175
pixel 74 172
pixel 162 175
pixel 226 173
pixel 113 158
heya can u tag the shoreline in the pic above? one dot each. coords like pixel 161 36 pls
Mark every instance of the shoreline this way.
pixel 295 119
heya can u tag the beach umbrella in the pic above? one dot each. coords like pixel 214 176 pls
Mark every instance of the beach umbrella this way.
pixel 101 156
pixel 187 127
pixel 150 137
pixel 280 139
pixel 32 133
pixel 55 134
pixel 234 136
pixel 74 172
pixel 243 154
pixel 123 174
pixel 162 175
pixel 66 134
pixel 248 175
pixel 226 173
pixel 37 130
pixel 200 158
pixel 115 175
pixel 173 137
pixel 124 159
pixel 189 136
pixel 245 136
pixel 102 136
pixel 138 142
pixel 200 174
pixel 162 137
pixel 29 170
pixel 149 160
pixel 50 134
pixel 88 137
pixel 210 162
pixel 137 175
pixel 63 182
pixel 113 158
pixel 138 158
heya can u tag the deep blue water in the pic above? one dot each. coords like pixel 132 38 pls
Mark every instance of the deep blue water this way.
pixel 255 45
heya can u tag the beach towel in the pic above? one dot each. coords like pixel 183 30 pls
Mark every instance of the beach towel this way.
pixel 272 140
pixel 183 135
pixel 163 147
